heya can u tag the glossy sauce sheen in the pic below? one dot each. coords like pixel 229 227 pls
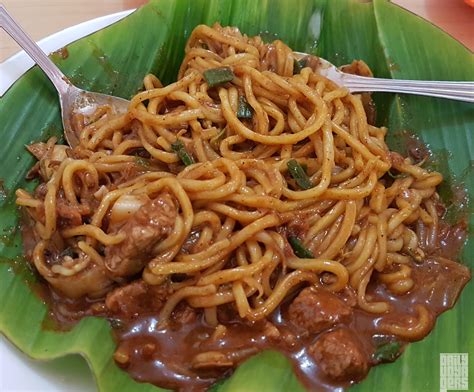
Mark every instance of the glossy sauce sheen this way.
pixel 164 356
pixel 169 365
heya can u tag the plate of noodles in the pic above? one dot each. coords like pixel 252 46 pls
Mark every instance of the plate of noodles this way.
pixel 247 224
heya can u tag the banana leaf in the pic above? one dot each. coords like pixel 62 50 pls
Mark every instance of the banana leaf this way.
pixel 392 41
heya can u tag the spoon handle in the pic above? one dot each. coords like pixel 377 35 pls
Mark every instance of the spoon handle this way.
pixel 34 51
pixel 460 91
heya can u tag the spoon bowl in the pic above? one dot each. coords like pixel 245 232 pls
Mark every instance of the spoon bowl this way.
pixel 81 102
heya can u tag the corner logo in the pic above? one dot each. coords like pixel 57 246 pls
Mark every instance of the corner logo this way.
pixel 453 372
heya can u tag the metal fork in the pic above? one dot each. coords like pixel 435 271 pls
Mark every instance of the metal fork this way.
pixel 460 91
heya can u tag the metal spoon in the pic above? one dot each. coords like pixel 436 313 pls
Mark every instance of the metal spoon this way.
pixel 73 100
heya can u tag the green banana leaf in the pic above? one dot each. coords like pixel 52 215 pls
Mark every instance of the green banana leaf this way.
pixel 392 41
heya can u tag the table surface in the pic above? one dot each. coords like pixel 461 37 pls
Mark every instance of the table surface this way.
pixel 41 18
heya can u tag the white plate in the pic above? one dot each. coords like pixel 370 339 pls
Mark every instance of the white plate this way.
pixel 15 66
pixel 19 373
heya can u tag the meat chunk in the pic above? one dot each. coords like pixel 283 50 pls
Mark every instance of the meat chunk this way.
pixel 184 314
pixel 316 310
pixel 91 281
pixel 71 214
pixel 136 298
pixel 340 355
pixel 153 222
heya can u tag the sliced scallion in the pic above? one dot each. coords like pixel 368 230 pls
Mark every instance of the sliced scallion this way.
pixel 217 76
pixel 215 141
pixel 180 150
pixel 142 162
pixel 244 110
pixel 395 176
pixel 299 249
pixel 116 323
pixel 387 352
pixel 299 64
pixel 298 173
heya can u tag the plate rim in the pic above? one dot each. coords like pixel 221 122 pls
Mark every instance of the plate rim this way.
pixel 16 65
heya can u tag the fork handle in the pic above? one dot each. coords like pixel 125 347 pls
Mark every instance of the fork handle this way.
pixel 14 30
pixel 460 91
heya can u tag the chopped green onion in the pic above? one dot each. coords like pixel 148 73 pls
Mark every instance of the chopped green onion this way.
pixel 142 162
pixel 268 37
pixel 298 65
pixel 178 148
pixel 244 110
pixel 116 323
pixel 217 76
pixel 300 250
pixel 395 176
pixel 298 173
pixel 387 352
pixel 215 141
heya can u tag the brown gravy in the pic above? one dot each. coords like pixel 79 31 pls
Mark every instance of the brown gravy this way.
pixel 163 356
pixel 169 364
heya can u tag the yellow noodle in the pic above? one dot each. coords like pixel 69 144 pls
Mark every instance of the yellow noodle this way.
pixel 236 204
